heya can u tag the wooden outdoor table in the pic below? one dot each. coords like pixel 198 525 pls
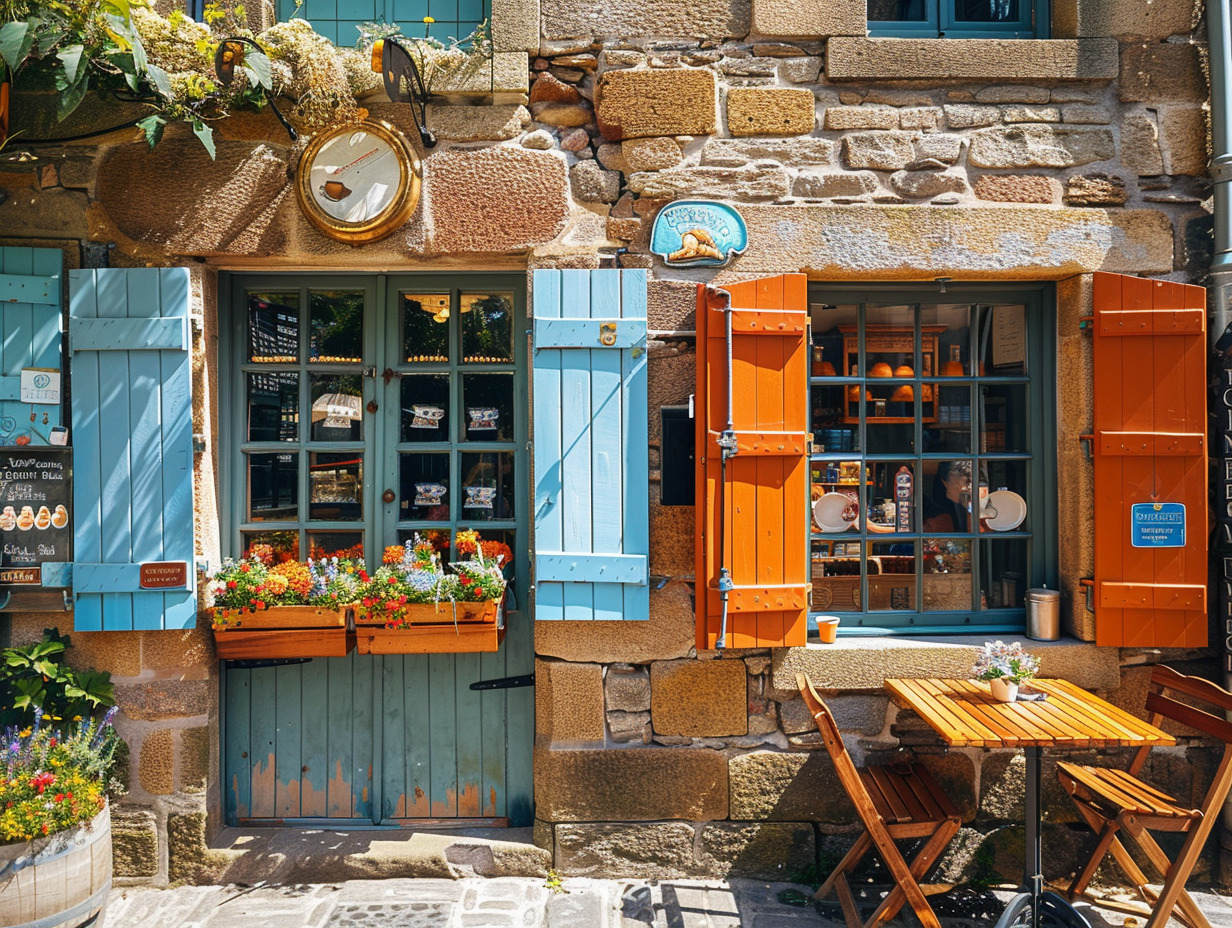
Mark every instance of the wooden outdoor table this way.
pixel 964 714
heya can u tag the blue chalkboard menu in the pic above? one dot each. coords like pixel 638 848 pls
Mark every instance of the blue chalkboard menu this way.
pixel 36 498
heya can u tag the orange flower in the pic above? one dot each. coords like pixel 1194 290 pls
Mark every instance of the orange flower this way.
pixel 393 554
pixel 296 575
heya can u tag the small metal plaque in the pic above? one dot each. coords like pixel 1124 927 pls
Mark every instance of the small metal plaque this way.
pixel 1157 525
pixel 22 575
pixel 164 575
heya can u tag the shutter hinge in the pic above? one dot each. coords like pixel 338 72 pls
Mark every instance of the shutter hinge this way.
pixel 1088 445
pixel 1088 584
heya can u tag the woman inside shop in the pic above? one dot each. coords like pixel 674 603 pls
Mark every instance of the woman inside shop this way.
pixel 946 507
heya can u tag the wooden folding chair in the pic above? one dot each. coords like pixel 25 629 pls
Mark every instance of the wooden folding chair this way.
pixel 893 803
pixel 1115 802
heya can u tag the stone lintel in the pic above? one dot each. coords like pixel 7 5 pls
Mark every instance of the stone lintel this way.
pixel 851 58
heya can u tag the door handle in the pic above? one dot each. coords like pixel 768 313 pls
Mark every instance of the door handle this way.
pixel 388 496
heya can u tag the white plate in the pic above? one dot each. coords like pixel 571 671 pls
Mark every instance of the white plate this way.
pixel 828 513
pixel 1011 510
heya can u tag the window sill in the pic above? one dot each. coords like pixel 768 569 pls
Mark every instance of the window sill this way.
pixel 865 663
pixel 853 58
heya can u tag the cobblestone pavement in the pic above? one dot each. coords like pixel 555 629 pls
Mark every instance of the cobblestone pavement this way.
pixel 521 902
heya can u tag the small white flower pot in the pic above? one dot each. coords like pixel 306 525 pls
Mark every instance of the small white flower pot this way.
pixel 1003 689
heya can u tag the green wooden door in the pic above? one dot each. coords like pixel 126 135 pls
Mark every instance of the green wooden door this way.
pixel 424 398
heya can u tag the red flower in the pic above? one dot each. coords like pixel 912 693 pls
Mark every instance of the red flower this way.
pixel 464 580
pixel 363 576
pixel 231 584
pixel 59 797
pixel 244 568
pixel 393 579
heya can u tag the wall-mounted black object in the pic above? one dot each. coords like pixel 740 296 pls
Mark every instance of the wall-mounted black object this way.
pixel 677 466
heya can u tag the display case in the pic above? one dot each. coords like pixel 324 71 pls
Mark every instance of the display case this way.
pixel 890 353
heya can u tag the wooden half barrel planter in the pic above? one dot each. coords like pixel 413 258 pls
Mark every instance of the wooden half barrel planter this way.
pixel 437 628
pixel 60 881
pixel 287 631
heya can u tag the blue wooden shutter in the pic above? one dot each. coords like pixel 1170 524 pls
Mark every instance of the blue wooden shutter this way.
pixel 132 446
pixel 29 337
pixel 592 538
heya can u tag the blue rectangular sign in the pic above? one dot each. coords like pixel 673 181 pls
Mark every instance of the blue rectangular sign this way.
pixel 1157 525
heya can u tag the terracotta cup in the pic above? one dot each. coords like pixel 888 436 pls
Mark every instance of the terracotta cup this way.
pixel 827 628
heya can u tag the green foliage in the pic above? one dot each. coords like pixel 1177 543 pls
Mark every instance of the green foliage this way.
pixel 34 677
pixel 555 883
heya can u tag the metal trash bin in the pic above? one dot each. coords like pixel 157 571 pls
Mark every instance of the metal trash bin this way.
pixel 1043 614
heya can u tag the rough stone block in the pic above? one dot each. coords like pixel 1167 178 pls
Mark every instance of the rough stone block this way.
pixel 569 702
pixel 1161 72
pixel 1012 93
pixel 748 67
pixel 515 25
pixel 478 123
pixel 923 184
pixel 592 184
pixel 53 213
pixel 920 117
pixel 1140 144
pixel 657 154
pixel 526 189
pixel 660 851
pixel 563 115
pixel 1095 190
pixel 1029 146
pixel 195 766
pixel 1017 188
pixel 770 111
pixel 189 859
pixel 672 305
pixel 852 58
pixel 625 727
pixel 969 116
pixel 747 183
pixel 134 842
pixel 632 784
pixel 1016 114
pixel 879 151
pixel 156 763
pixel 670 633
pixel 1158 19
pixel 627 688
pixel 706 19
pixel 117 652
pixel 842 118
pixel 736 152
pixel 1003 779
pixel 785 787
pixel 699 699
pixel 186 653
pixel 549 89
pixel 800 70
pixel 938 147
pixel 834 184
pixel 165 699
pixel 1086 114
pixel 504 78
pixel 779 852
pixel 612 158
pixel 809 20
pixel 669 101
pixel 1183 137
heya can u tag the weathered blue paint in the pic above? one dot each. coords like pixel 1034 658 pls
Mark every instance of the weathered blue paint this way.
pixel 30 336
pixel 591 462
pixel 676 220
pixel 131 334
pixel 132 437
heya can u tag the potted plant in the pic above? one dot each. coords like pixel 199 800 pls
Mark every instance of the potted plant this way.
pixel 412 604
pixel 285 609
pixel 56 762
pixel 1005 667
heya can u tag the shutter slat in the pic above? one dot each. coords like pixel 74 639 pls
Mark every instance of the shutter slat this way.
pixel 129 334
pixel 1149 423
pixel 132 424
pixel 591 494
pixel 766 529
pixel 26 288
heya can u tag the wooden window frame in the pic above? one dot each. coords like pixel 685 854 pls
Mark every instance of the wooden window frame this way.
pixel 1040 462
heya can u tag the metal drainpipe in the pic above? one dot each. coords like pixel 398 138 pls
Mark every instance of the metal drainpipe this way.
pixel 1219 38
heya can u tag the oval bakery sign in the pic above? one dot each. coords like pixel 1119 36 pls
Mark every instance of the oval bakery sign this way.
pixel 698 233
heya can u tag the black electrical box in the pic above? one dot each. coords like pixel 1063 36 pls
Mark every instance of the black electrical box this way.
pixel 677 466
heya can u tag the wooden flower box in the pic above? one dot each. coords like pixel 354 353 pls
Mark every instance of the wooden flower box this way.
pixel 433 630
pixel 441 613
pixel 286 631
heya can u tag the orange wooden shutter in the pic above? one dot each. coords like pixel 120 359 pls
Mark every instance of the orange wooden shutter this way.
pixel 766 498
pixel 1150 446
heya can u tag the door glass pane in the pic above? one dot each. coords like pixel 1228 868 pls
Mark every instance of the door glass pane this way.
pixel 891 575
pixel 335 486
pixel 487 327
pixel 273 487
pixel 337 326
pixel 487 486
pixel 889 341
pixel 1003 573
pixel 891 497
pixel 834 328
pixel 947 502
pixel 337 407
pixel 831 432
pixel 951 323
pixel 1003 340
pixel 986 11
pixel 951 429
pixel 273 407
pixel 423 482
pixel 835 577
pixel 336 544
pixel 1006 507
pixel 947 574
pixel 273 327
pixel 487 401
pixel 283 546
pixel 425 327
pixel 1004 418
pixel 425 407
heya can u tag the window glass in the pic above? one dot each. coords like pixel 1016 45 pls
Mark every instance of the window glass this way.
pixel 487 327
pixel 273 487
pixel 273 327
pixel 1003 340
pixel 487 486
pixel 424 486
pixel 336 331
pixel 487 407
pixel 891 576
pixel 273 406
pixel 335 485
pixel 425 407
pixel 986 11
pixel 425 327
pixel 337 407
pixel 897 10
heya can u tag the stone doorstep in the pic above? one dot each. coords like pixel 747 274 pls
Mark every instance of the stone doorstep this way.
pixel 320 855
pixel 853 664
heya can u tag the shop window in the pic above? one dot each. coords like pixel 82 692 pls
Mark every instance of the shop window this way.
pixel 984 19
pixel 339 20
pixel 931 469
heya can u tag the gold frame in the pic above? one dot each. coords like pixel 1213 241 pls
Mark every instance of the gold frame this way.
pixel 390 218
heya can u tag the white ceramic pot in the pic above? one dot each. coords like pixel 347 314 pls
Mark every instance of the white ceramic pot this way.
pixel 1003 689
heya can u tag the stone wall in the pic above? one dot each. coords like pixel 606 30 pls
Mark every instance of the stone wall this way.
pixel 850 159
